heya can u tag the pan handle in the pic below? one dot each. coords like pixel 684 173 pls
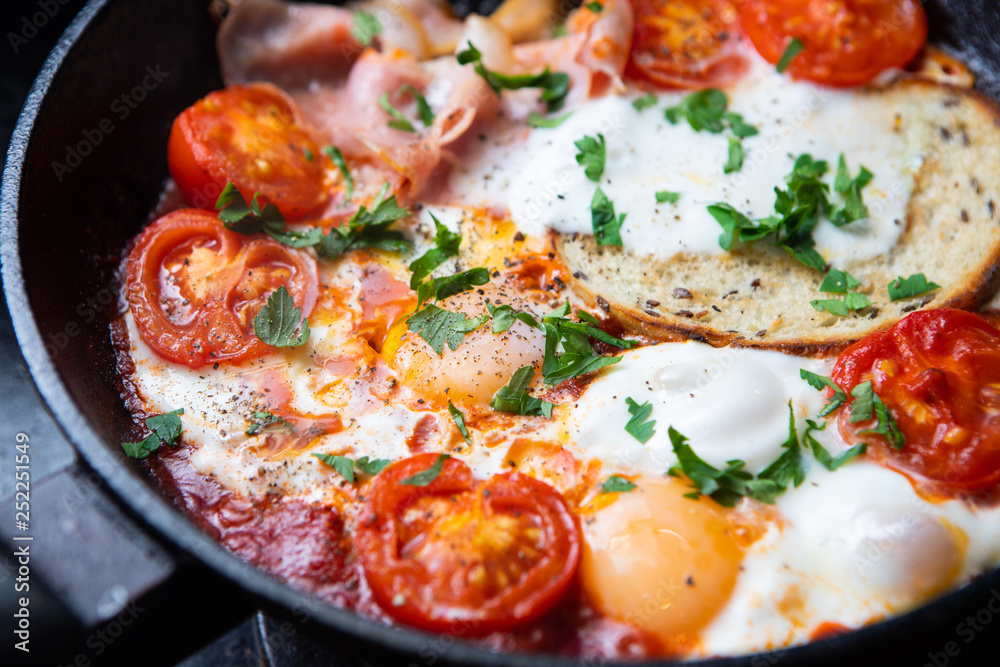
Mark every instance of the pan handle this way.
pixel 96 585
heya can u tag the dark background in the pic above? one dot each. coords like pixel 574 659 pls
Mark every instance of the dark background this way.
pixel 256 638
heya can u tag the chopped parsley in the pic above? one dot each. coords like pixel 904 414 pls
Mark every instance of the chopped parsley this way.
pixel 735 161
pixel 640 426
pixel 427 476
pixel 504 317
pixel 591 156
pixel 338 160
pixel 164 430
pixel 366 26
pixel 616 484
pixel 345 466
pixel 573 338
pixel 277 321
pixel 514 398
pixel 854 205
pixel 905 288
pixel 554 85
pixel 423 108
pixel 607 227
pixel 595 7
pixel 236 216
pixel 868 405
pixel 667 197
pixel 263 421
pixel 794 48
pixel 797 212
pixel 309 154
pixel 840 282
pixel 368 229
pixel 708 111
pixel 438 327
pixel 437 289
pixel 790 467
pixel 536 119
pixel 726 486
pixel 459 419
pixel 446 244
pixel 824 458
pixel 644 102
pixel 399 121
pixel 819 383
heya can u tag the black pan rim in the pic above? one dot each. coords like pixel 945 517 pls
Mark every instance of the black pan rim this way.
pixel 167 520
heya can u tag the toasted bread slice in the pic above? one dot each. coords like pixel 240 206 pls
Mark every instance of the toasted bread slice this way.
pixel 758 296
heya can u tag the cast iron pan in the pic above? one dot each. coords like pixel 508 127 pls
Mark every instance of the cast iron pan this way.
pixel 84 170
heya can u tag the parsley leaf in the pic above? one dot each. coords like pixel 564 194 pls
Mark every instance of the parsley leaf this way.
pixel 703 110
pixel 236 216
pixel 368 229
pixel 904 288
pixel 854 205
pixel 399 121
pixel 595 7
pixel 554 85
pixel 423 108
pixel 366 26
pixel 665 196
pixel 504 317
pixel 164 430
pixel 644 102
pixel 824 458
pixel 886 425
pixel 725 486
pixel 371 466
pixel 739 127
pixel 735 161
pixel 427 476
pixel 438 326
pixel 536 119
pixel 640 426
pixel 262 421
pixel 578 356
pixel 794 48
pixel 276 322
pixel 591 156
pixel 851 302
pixel 864 402
pixel 839 282
pixel 616 484
pixel 338 160
pixel 820 383
pixel 446 245
pixel 437 289
pixel 459 419
pixel 790 467
pixel 514 399
pixel 607 227
pixel 341 464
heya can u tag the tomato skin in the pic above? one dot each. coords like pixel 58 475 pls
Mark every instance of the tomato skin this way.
pixel 251 135
pixel 938 372
pixel 194 287
pixel 426 551
pixel 847 43
pixel 686 43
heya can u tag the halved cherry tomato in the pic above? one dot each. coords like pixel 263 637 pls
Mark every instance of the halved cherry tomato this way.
pixel 938 372
pixel 251 135
pixel 686 43
pixel 465 556
pixel 847 42
pixel 194 287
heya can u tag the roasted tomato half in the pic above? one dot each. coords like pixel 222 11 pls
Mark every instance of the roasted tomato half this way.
pixel 194 287
pixel 847 43
pixel 250 135
pixel 938 374
pixel 465 556
pixel 686 43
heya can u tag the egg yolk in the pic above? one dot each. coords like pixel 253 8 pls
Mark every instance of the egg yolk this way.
pixel 484 362
pixel 659 561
